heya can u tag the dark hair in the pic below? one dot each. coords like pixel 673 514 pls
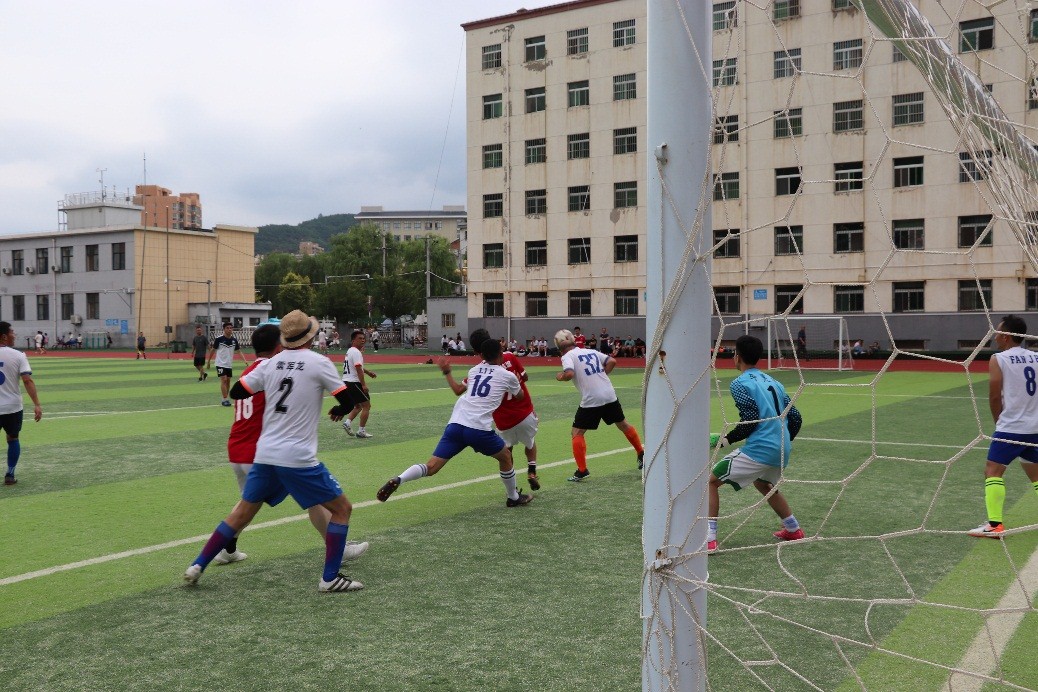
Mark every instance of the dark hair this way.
pixel 265 339
pixel 227 324
pixel 1010 324
pixel 477 338
pixel 749 349
pixel 5 328
pixel 354 333
pixel 490 350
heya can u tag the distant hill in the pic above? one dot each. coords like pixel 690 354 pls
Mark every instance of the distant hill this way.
pixel 281 237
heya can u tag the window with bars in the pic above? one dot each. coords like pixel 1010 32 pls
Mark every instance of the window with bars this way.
pixel 536 304
pixel 493 305
pixel 726 186
pixel 579 303
pixel 789 123
pixel 536 202
pixel 579 250
pixel 625 140
pixel 93 306
pixel 970 169
pixel 786 62
pixel 66 259
pixel 726 72
pixel 971 228
pixel 493 205
pixel 1032 28
pixel 68 306
pixel 908 171
pixel 848 116
pixel 847 54
pixel 787 295
pixel 536 151
pixel 726 129
pixel 18 261
pixel 786 9
pixel 727 299
pixel 849 176
pixel 1032 94
pixel 42 260
pixel 977 34
pixel 625 194
pixel 491 56
pixel 43 307
pixel 535 100
pixel 536 48
pixel 909 234
pixel 93 257
pixel 624 87
pixel 974 295
pixel 1031 295
pixel 909 296
pixel 789 240
pixel 625 301
pixel 578 94
pixel 724 15
pixel 536 253
pixel 787 181
pixel 843 5
pixel 849 237
pixel 898 56
pixel 907 108
pixel 493 255
pixel 579 198
pixel 493 156
pixel 578 146
pixel 624 33
pixel 493 106
pixel 17 308
pixel 848 299
pixel 576 41
pixel 729 243
pixel 625 248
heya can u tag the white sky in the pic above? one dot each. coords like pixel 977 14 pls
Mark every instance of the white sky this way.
pixel 273 112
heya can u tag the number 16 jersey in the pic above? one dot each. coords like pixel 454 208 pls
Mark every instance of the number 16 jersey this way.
pixel 589 376
pixel 487 386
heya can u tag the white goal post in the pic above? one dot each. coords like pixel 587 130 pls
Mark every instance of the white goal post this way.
pixel 829 344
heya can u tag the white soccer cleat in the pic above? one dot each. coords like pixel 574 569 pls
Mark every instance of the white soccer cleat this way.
pixel 348 428
pixel 192 573
pixel 364 435
pixel 341 582
pixel 225 558
pixel 355 550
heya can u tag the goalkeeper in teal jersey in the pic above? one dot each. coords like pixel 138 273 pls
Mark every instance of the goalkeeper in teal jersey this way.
pixel 761 401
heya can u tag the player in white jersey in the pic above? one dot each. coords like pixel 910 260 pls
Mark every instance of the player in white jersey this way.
pixel 1013 398
pixel 589 370
pixel 472 424
pixel 223 348
pixel 14 368
pixel 353 373
pixel 295 381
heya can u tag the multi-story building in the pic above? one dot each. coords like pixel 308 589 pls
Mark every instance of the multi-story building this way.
pixel 448 223
pixel 841 188
pixel 162 208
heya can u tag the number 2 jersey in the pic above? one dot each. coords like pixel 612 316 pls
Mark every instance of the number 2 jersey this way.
pixel 760 399
pixel 589 376
pixel 1019 386
pixel 295 381
pixel 248 423
pixel 487 386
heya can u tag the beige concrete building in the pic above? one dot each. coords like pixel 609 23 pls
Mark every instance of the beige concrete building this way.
pixel 837 169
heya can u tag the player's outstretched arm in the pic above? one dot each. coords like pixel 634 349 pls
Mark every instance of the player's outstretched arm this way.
pixel 457 387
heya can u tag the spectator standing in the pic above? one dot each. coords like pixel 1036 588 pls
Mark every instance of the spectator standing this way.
pixel 199 346
pixel 142 344
pixel 578 338
pixel 444 344
pixel 374 340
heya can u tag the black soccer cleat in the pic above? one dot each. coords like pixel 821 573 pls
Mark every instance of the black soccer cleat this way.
pixel 579 476
pixel 388 489
pixel 641 459
pixel 521 500
pixel 534 481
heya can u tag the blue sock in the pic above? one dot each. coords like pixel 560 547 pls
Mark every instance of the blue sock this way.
pixel 14 450
pixel 334 545
pixel 791 523
pixel 215 544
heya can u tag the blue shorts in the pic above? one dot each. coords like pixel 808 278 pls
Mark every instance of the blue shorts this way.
pixel 309 486
pixel 457 437
pixel 1004 447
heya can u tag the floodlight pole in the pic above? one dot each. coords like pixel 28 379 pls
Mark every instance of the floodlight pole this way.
pixel 678 306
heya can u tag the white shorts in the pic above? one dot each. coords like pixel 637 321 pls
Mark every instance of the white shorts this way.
pixel 241 472
pixel 739 471
pixel 522 433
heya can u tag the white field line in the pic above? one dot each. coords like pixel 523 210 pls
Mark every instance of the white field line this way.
pixel 267 524
pixel 879 443
pixel 991 641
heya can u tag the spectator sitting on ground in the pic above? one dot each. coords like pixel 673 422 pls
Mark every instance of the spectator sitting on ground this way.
pixel 542 347
pixel 513 345
pixel 452 346
pixel 858 349
pixel 873 348
pixel 629 346
pixel 639 348
pixel 592 343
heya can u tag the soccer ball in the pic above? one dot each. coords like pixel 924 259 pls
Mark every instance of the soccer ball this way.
pixel 564 338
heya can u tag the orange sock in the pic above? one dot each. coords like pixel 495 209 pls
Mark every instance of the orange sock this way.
pixel 580 452
pixel 632 436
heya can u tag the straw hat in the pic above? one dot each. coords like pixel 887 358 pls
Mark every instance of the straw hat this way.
pixel 297 329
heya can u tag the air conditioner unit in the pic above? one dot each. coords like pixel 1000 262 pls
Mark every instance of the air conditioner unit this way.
pixel 55 268
pixel 30 270
pixel 7 271
pixel 77 319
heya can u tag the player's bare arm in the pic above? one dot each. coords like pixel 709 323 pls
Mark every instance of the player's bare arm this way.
pixel 30 388
pixel 564 376
pixel 609 364
pixel 995 388
pixel 457 387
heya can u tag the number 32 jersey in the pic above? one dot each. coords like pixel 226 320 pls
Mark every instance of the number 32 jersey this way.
pixel 1019 386
pixel 487 386
pixel 589 376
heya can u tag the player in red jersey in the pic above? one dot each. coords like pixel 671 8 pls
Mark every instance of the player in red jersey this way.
pixel 515 419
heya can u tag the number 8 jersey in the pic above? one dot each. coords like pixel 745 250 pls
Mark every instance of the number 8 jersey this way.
pixel 589 376
pixel 1019 391
pixel 487 386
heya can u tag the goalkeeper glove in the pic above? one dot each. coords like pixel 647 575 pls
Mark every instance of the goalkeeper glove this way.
pixel 717 441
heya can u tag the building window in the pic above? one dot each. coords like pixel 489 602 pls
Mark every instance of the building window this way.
pixel 493 206
pixel 17 262
pixel 849 176
pixel 789 123
pixel 93 310
pixel 624 87
pixel 971 228
pixel 726 243
pixel 971 169
pixel 977 34
pixel 66 259
pixel 726 186
pixel 899 56
pixel 1031 295
pixel 579 198
pixel 726 129
pixel 625 140
pixel 787 181
pixel 848 116
pixel 536 253
pixel 493 305
pixel 842 4
pixel 847 54
pixel 785 9
pixel 493 106
pixel 909 296
pixel 42 260
pixel 493 255
pixel 536 151
pixel 726 72
pixel 908 109
pixel 536 202
pixel 18 308
pixel 576 41
pixel 849 237
pixel 725 16
pixel 625 248
pixel 623 33
pixel 974 295
pixel 625 195
pixel 578 94
pixel 448 319
pixel 118 256
pixel 535 100
pixel 579 250
pixel 909 234
pixel 848 299
pixel 578 146
pixel 492 156
pixel 68 306
pixel 43 307
pixel 492 56
pixel 787 295
pixel 536 49
pixel 1032 31
pixel 727 299
pixel 787 62
pixel 625 302
pixel 908 171
pixel 579 303
pixel 536 304
pixel 789 240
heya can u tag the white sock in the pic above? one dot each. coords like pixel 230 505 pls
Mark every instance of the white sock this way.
pixel 414 473
pixel 508 478
pixel 361 429
pixel 711 530
pixel 347 423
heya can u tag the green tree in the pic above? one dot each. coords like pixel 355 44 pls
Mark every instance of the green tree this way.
pixel 295 293
pixel 270 272
pixel 345 300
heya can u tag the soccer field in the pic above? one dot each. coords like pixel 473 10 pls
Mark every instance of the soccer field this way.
pixel 126 476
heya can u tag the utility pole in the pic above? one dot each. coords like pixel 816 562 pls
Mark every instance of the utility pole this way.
pixel 428 272
pixel 383 254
